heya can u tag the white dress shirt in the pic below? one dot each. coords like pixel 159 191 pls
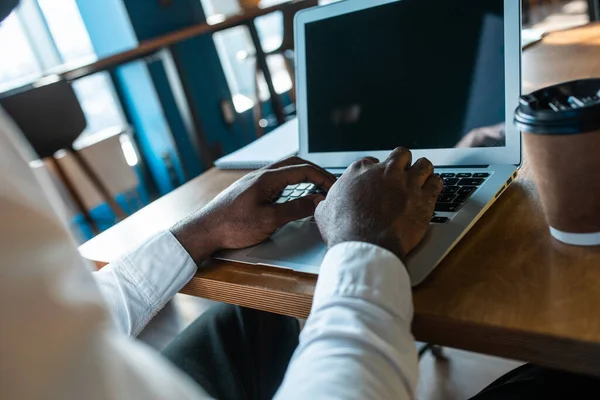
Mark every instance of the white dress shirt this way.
pixel 68 333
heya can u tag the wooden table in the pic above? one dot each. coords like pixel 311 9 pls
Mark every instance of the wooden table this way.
pixel 508 289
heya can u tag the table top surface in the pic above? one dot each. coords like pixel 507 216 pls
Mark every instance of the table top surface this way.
pixel 507 289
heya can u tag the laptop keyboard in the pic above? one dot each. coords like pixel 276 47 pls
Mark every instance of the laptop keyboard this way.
pixel 294 192
pixel 458 188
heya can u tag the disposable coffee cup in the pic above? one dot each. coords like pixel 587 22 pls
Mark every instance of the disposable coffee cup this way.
pixel 561 131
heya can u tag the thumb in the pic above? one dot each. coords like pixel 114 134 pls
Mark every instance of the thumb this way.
pixel 298 209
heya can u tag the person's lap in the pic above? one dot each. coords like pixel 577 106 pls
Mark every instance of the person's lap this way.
pixel 241 354
pixel 236 353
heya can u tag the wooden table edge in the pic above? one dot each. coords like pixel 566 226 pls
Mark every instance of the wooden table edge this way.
pixel 255 297
pixel 576 356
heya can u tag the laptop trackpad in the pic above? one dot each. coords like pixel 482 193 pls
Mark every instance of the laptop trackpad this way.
pixel 298 242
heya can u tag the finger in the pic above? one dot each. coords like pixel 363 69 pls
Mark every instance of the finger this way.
pixel 286 163
pixel 291 161
pixel 434 186
pixel 400 158
pixel 371 160
pixel 421 171
pixel 292 175
pixel 297 209
pixel 363 162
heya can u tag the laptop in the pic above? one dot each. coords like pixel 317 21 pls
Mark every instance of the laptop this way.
pixel 440 77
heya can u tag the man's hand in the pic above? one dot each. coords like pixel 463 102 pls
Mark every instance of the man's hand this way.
pixel 389 204
pixel 245 214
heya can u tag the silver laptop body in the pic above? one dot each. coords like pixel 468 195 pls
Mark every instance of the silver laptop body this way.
pixel 471 64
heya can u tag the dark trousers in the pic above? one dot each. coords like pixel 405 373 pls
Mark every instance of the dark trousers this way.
pixel 236 353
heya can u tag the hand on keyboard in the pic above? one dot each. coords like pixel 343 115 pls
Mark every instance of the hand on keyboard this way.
pixel 246 214
pixel 389 204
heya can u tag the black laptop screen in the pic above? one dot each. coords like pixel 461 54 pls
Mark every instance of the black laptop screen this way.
pixel 423 74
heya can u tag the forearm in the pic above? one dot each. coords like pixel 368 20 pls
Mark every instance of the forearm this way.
pixel 139 284
pixel 357 341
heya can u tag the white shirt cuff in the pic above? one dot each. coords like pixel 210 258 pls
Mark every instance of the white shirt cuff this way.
pixel 159 268
pixel 368 272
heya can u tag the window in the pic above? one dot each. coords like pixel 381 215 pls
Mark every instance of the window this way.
pixel 22 65
pixel 67 29
pixel 41 35
pixel 233 47
pixel 99 102
pixel 236 52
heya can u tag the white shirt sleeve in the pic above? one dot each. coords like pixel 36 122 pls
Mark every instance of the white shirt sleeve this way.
pixel 139 285
pixel 57 340
pixel 357 342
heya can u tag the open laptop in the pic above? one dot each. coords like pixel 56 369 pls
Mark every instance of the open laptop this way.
pixel 440 77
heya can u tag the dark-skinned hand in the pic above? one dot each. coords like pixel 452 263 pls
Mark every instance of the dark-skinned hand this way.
pixel 245 214
pixel 389 204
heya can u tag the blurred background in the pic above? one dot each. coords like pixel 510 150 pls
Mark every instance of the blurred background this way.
pixel 163 88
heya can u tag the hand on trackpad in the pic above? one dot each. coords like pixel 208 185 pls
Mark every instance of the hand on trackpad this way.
pixel 298 242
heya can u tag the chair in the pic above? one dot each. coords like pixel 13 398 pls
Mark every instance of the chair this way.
pixel 50 116
pixel 286 49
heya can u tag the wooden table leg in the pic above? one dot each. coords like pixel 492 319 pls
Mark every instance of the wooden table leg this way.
pixel 75 195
